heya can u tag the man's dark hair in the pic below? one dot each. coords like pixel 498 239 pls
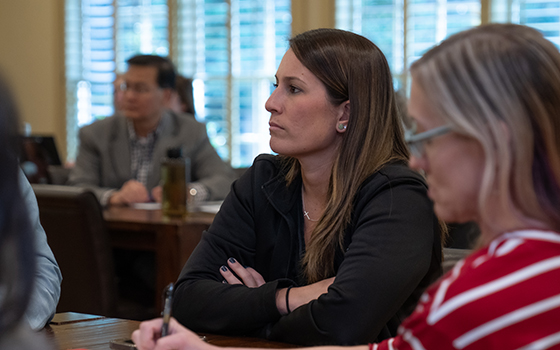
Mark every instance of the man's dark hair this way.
pixel 165 68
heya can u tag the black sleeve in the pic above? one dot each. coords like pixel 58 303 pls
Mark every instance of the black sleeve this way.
pixel 389 255
pixel 205 304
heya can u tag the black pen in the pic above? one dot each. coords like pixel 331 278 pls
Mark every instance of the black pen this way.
pixel 168 295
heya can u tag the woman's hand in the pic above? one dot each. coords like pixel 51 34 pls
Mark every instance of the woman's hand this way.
pixel 148 337
pixel 301 295
pixel 248 275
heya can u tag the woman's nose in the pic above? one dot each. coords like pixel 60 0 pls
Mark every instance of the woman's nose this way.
pixel 272 103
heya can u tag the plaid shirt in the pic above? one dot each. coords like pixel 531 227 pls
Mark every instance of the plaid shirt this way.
pixel 141 150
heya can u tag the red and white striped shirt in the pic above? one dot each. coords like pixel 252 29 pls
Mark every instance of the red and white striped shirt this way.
pixel 504 296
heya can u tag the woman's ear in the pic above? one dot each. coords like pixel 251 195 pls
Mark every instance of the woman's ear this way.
pixel 342 122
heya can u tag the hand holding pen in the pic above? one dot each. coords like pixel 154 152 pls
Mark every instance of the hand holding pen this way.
pixel 168 298
pixel 147 337
pixel 172 334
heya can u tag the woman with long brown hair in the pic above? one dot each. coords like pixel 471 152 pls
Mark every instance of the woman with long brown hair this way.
pixel 333 240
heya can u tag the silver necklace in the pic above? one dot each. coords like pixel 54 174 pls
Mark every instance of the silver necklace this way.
pixel 305 212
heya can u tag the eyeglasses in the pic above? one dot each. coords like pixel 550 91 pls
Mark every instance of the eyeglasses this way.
pixel 417 142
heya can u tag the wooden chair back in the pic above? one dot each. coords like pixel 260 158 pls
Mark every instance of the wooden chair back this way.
pixel 73 221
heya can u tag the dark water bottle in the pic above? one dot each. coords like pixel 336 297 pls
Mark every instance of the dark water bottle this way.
pixel 175 176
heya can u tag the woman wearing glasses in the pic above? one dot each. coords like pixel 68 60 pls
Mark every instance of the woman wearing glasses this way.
pixel 486 103
pixel 334 240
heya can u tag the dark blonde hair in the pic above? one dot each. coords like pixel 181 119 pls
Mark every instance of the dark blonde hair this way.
pixel 500 85
pixel 352 69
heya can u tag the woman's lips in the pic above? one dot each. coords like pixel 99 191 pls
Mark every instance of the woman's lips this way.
pixel 274 126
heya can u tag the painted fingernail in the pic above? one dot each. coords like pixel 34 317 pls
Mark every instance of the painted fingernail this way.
pixel 224 281
pixel 224 268
pixel 232 260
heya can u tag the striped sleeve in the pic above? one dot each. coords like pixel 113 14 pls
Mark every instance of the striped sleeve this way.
pixel 506 296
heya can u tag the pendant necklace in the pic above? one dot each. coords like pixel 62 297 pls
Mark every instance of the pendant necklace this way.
pixel 305 212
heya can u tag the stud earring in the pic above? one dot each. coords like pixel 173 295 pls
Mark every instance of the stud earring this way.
pixel 341 127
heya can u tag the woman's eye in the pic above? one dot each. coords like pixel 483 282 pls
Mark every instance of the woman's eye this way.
pixel 291 89
pixel 294 89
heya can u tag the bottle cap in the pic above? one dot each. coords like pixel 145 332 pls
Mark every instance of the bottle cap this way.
pixel 175 153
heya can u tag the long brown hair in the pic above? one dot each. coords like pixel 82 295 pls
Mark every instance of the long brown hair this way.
pixel 352 69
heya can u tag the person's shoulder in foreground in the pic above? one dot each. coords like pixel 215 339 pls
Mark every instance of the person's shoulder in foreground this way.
pixel 18 253
pixel 46 294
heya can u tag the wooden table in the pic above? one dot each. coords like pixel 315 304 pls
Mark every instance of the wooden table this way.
pixel 79 331
pixel 172 240
pixel 73 331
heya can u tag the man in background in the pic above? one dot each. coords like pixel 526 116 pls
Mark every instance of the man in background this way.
pixel 119 157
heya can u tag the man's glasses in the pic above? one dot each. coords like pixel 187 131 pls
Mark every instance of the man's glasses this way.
pixel 417 142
